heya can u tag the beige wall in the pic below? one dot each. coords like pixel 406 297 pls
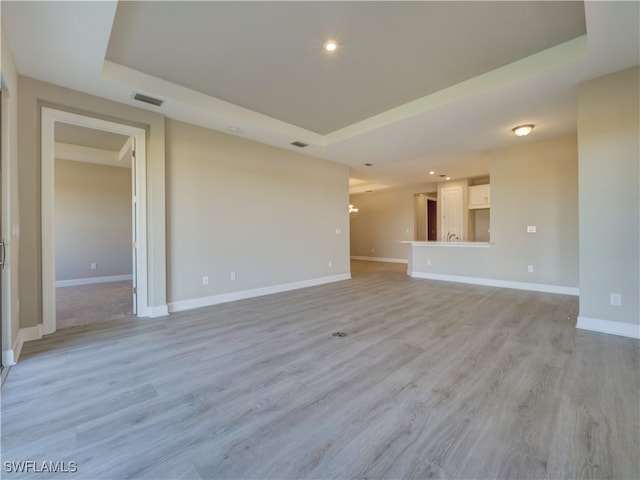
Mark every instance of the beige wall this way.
pixel 33 94
pixel 92 220
pixel 532 184
pixel 385 217
pixel 235 205
pixel 10 205
pixel 608 126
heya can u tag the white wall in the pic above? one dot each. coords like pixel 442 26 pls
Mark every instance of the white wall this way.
pixel 92 220
pixel 10 213
pixel 235 205
pixel 609 165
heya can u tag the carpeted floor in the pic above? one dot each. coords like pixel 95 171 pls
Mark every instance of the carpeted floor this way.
pixel 100 302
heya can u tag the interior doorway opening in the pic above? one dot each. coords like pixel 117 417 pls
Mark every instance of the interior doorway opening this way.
pixel 425 217
pixel 93 227
pixel 135 148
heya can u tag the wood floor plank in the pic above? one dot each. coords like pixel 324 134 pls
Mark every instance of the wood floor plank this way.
pixel 597 434
pixel 433 380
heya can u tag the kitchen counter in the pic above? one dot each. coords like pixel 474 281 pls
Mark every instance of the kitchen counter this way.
pixel 447 244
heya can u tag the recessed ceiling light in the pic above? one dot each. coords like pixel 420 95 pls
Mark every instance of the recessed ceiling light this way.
pixel 448 178
pixel 330 45
pixel 432 172
pixel 522 130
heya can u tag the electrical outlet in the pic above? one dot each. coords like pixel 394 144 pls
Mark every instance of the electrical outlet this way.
pixel 338 231
pixel 615 299
pixel 205 280
pixel 234 276
pixel 531 229
pixel 428 261
pixel 373 250
pixel 530 269
pixel 330 264
pixel 94 266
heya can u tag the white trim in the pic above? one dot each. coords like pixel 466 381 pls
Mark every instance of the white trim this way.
pixel 159 311
pixel 8 358
pixel 49 118
pixel 24 335
pixel 379 259
pixel 491 282
pixel 92 280
pixel 255 292
pixel 611 327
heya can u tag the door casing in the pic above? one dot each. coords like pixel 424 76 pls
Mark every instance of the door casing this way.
pixel 50 117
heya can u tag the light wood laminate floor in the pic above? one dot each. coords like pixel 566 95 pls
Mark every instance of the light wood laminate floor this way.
pixel 433 380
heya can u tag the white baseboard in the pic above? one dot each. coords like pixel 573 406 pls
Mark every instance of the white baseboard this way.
pixel 379 259
pixel 24 335
pixel 92 280
pixel 159 311
pixel 256 292
pixel 609 326
pixel 490 282
pixel 8 358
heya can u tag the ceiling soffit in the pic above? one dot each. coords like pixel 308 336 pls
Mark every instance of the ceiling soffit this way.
pixel 265 58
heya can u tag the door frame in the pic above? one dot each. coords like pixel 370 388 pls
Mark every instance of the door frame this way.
pixel 460 224
pixel 49 118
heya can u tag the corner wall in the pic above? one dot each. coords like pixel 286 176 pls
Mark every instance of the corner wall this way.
pixel 609 171
pixel 532 184
pixel 269 215
pixel 385 217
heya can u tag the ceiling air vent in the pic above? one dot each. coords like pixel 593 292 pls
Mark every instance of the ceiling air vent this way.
pixel 299 144
pixel 147 99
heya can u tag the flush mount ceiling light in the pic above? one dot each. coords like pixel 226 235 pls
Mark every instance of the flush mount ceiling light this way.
pixel 522 130
pixel 330 46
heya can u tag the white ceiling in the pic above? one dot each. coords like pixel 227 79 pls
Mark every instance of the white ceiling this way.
pixel 414 86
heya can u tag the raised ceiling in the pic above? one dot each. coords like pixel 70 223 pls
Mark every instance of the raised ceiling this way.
pixel 268 57
pixel 397 94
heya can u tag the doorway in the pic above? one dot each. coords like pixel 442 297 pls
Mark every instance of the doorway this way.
pixel 451 214
pixel 425 216
pixel 51 119
pixel 92 226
